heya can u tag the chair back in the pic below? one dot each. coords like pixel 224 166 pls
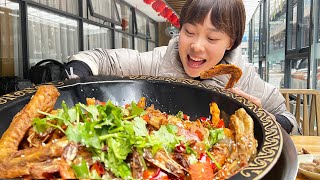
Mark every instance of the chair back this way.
pixel 307 116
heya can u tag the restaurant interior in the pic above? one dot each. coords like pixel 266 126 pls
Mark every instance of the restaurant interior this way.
pixel 281 40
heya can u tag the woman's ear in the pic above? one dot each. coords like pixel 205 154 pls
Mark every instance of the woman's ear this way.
pixel 230 45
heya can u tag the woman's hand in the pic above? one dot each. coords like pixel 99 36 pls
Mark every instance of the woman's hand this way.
pixel 253 99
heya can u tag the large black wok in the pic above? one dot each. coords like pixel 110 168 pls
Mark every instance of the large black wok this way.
pixel 169 95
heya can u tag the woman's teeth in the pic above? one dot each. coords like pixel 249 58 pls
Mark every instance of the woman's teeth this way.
pixel 196 59
pixel 195 62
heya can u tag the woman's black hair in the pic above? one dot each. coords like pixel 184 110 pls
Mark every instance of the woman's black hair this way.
pixel 227 16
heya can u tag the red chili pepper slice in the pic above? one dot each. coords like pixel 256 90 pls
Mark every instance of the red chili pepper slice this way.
pixel 160 175
pixel 181 148
pixel 155 175
pixel 186 117
pixel 204 158
pixel 220 124
pixel 99 168
pixel 204 119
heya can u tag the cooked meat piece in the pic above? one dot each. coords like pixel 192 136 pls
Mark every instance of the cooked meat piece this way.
pixel 245 147
pixel 163 161
pixel 48 169
pixel 221 69
pixel 137 165
pixel 20 162
pixel 44 100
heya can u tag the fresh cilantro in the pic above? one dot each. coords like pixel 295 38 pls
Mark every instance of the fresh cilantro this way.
pixel 180 115
pixel 81 170
pixel 168 138
pixel 113 113
pixel 173 129
pixel 41 125
pixel 119 148
pixel 135 110
pixel 215 135
pixel 92 110
pixel 213 160
pixel 139 126
pixel 65 111
pixel 85 134
pixel 189 149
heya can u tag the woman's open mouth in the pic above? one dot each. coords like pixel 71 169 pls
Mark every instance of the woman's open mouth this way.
pixel 194 62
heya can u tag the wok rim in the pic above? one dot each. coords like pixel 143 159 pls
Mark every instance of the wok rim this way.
pixel 272 144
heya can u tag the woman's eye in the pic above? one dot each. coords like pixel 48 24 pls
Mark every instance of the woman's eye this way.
pixel 212 39
pixel 188 32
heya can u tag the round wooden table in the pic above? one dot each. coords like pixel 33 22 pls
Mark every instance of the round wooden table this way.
pixel 309 143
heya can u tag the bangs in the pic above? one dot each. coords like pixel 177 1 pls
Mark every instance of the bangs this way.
pixel 196 11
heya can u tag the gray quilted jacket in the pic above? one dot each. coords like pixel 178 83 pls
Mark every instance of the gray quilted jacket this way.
pixel 165 61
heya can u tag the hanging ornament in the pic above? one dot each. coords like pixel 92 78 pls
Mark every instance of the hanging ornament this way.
pixel 167 12
pixel 176 24
pixel 158 5
pixel 173 18
pixel 148 1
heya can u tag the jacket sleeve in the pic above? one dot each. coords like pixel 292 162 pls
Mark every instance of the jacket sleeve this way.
pixel 120 62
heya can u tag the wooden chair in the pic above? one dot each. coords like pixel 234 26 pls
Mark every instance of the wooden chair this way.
pixel 310 115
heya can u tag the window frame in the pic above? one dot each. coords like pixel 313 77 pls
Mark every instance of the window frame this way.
pixel 23 4
pixel 99 16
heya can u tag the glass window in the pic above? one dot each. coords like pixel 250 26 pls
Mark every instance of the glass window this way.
pixel 250 41
pixel 10 46
pixel 96 37
pixel 151 45
pixel 122 40
pixel 105 10
pixel 292 41
pixel 317 52
pixel 244 45
pixel 50 36
pixel 70 6
pixel 299 74
pixel 87 15
pixel 256 39
pixel 318 27
pixel 141 24
pixel 140 44
pixel 318 75
pixel 152 31
pixel 126 18
pixel 305 24
pixel 277 35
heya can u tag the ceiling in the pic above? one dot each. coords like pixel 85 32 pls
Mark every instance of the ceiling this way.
pixel 176 5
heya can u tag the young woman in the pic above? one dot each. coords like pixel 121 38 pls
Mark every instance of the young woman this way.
pixel 211 31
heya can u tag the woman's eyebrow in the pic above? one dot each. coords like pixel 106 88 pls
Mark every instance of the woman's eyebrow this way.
pixel 213 29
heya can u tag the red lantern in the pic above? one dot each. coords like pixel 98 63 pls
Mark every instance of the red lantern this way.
pixel 148 1
pixel 158 5
pixel 173 18
pixel 176 24
pixel 166 12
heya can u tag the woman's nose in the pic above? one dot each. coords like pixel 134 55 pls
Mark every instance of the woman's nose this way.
pixel 197 46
